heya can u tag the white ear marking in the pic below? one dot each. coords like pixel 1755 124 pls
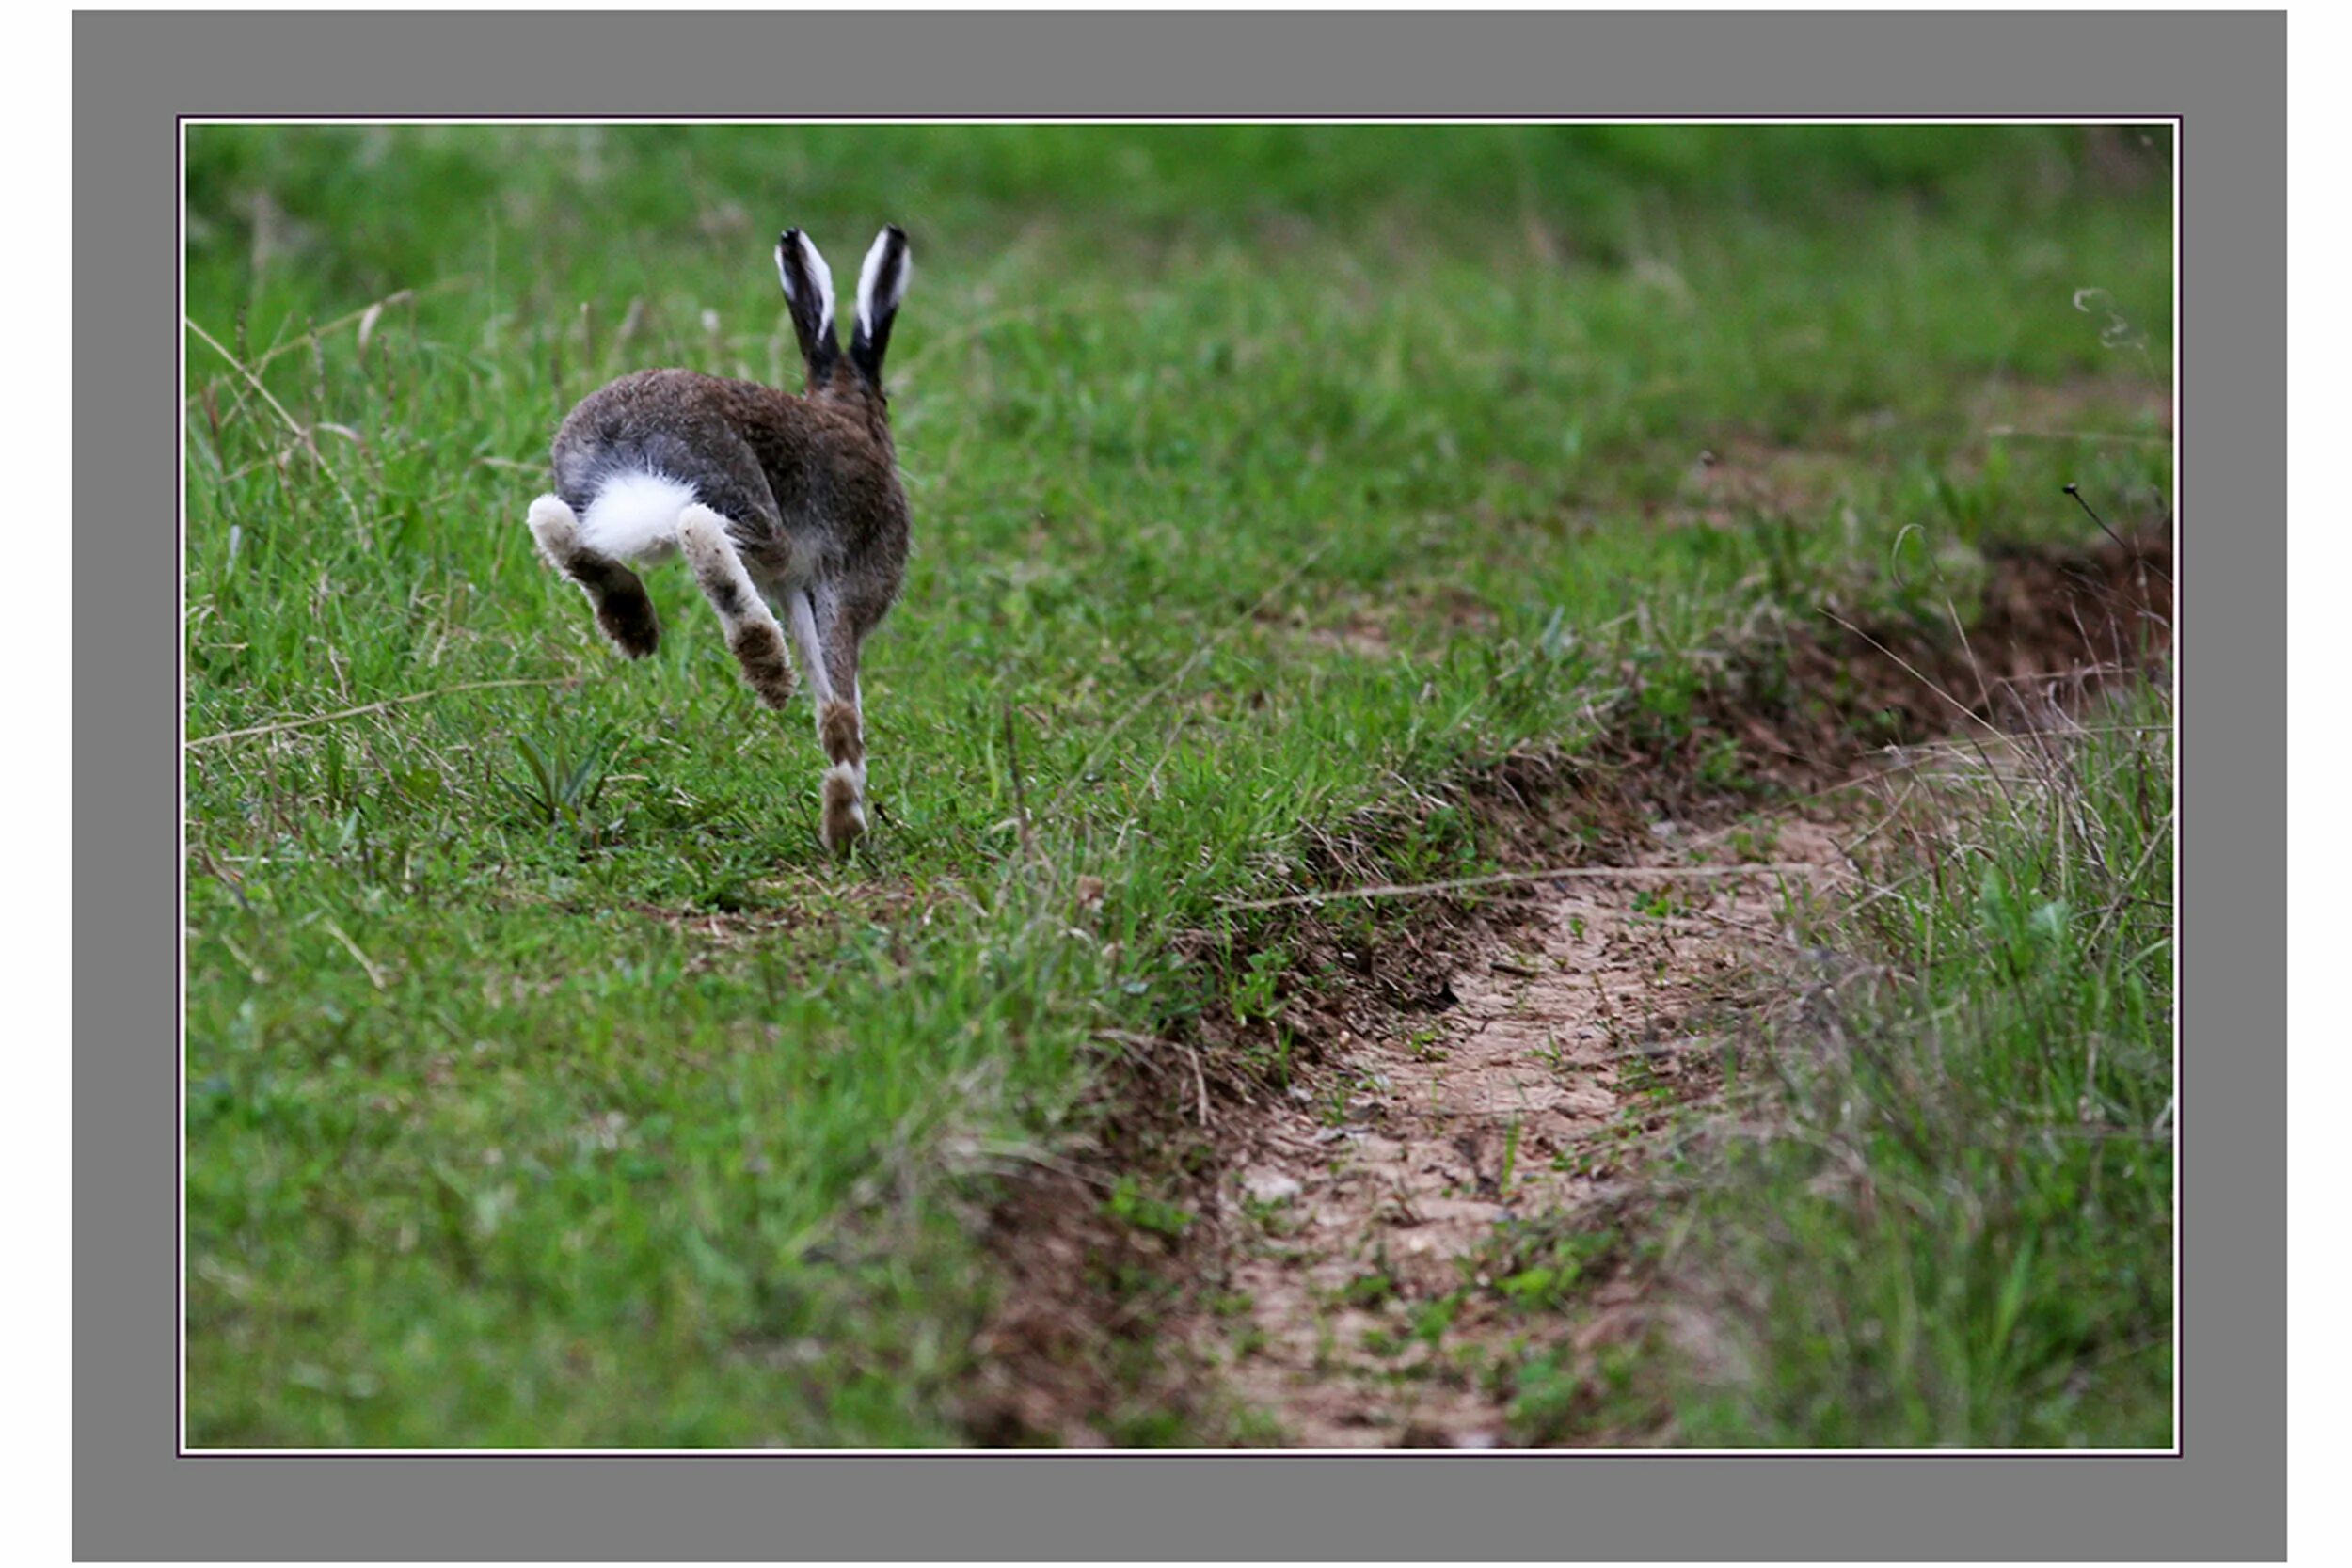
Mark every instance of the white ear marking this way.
pixel 871 278
pixel 819 274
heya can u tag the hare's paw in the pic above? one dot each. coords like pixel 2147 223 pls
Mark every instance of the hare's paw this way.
pixel 703 535
pixel 556 529
pixel 757 645
pixel 845 808
pixel 626 616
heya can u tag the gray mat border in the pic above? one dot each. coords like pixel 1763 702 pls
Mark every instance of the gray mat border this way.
pixel 2225 74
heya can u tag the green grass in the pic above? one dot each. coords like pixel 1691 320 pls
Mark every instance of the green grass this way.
pixel 1961 1232
pixel 547 1085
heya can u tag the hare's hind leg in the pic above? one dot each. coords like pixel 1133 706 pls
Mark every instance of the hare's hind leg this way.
pixel 753 635
pixel 622 612
pixel 845 781
pixel 829 648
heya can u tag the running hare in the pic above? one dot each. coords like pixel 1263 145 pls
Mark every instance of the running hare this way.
pixel 775 500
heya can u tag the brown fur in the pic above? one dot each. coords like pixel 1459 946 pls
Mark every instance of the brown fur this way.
pixel 758 646
pixel 624 612
pixel 753 635
pixel 626 615
pixel 803 506
pixel 790 473
pixel 845 822
pixel 841 735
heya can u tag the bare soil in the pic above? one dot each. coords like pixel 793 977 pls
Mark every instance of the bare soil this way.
pixel 1376 1187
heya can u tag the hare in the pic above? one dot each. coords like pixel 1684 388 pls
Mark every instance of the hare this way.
pixel 776 500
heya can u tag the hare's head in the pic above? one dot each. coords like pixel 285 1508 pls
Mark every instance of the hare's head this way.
pixel 808 291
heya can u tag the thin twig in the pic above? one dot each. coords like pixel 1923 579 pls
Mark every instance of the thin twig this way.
pixel 1958 707
pixel 302 431
pixel 1200 1085
pixel 2161 838
pixel 293 424
pixel 1393 889
pixel 363 709
pixel 224 876
pixel 376 975
pixel 1020 791
pixel 1697 920
pixel 2076 491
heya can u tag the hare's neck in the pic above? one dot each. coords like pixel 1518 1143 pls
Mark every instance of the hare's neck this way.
pixel 845 389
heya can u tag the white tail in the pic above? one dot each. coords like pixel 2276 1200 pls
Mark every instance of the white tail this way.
pixel 634 516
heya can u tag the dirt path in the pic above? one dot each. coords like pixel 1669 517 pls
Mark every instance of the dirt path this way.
pixel 1391 1228
pixel 1430 1239
pixel 1381 1190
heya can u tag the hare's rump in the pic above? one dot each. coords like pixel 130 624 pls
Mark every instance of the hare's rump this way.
pixel 663 440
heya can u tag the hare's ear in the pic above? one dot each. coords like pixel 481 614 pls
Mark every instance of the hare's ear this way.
pixel 808 289
pixel 881 285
